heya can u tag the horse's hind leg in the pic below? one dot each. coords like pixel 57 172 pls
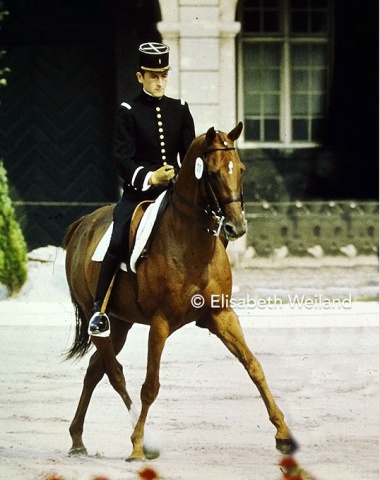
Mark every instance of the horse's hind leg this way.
pixel 95 372
pixel 226 326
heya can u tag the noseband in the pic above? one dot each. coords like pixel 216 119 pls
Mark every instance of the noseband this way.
pixel 214 211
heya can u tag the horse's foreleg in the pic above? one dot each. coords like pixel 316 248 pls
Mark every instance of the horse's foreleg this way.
pixel 95 372
pixel 158 334
pixel 227 327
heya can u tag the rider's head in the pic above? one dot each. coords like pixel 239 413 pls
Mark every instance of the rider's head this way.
pixel 153 67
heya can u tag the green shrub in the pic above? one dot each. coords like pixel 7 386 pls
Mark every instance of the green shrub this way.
pixel 13 249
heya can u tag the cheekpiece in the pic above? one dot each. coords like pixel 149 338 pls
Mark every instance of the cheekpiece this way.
pixel 154 56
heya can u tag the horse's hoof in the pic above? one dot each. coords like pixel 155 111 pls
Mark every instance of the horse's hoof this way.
pixel 136 458
pixel 151 454
pixel 287 446
pixel 78 452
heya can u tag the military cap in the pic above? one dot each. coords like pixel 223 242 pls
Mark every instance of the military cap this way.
pixel 154 56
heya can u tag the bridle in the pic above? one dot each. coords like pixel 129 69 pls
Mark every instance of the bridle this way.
pixel 231 199
pixel 213 209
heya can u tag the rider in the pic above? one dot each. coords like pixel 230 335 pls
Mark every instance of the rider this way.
pixel 151 132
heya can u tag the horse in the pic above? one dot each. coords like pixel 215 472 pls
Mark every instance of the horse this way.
pixel 185 268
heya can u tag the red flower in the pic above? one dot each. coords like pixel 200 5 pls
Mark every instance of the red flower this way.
pixel 148 474
pixel 288 463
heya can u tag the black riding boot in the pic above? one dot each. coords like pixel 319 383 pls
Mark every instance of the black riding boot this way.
pixel 99 324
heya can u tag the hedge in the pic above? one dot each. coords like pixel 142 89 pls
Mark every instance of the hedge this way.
pixel 13 249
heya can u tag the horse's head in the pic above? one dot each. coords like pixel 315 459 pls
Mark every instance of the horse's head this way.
pixel 223 182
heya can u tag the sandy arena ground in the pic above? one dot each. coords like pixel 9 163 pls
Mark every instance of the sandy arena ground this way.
pixel 208 421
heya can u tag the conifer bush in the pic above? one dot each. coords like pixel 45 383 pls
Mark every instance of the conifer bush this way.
pixel 13 249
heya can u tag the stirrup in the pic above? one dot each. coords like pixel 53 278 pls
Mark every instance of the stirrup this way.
pixel 99 325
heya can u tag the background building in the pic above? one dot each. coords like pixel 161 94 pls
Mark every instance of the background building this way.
pixel 301 74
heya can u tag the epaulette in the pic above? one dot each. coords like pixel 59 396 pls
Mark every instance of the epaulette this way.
pixel 126 105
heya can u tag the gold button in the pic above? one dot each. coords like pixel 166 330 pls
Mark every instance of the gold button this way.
pixel 160 130
pixel 162 144
pixel 163 151
pixel 163 157
pixel 158 109
pixel 162 137
pixel 160 123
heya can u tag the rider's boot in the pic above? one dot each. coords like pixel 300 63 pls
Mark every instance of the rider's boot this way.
pixel 99 323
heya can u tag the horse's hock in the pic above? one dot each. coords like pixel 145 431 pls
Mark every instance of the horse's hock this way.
pixel 300 226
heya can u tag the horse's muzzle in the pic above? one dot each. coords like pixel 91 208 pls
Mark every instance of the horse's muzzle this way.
pixel 233 231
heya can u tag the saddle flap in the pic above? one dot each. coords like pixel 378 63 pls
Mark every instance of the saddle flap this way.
pixel 143 225
pixel 135 222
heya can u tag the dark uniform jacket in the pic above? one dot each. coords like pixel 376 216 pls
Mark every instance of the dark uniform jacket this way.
pixel 150 132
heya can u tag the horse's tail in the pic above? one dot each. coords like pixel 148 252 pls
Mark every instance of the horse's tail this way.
pixel 82 341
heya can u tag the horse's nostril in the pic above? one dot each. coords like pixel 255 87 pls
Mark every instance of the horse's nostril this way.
pixel 230 230
pixel 233 231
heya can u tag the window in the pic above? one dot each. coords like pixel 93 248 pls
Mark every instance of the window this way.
pixel 284 69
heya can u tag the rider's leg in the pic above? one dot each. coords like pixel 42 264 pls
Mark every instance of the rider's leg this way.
pixel 99 323
pixel 117 252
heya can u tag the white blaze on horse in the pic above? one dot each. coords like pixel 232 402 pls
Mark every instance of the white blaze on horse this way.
pixel 185 257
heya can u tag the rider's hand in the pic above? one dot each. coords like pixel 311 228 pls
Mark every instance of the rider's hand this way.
pixel 162 176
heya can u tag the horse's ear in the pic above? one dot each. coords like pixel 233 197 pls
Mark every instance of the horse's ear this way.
pixel 210 136
pixel 235 133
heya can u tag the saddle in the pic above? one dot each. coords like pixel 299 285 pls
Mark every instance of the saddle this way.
pixel 143 227
pixel 140 234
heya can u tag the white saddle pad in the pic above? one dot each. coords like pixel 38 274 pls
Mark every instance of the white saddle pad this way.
pixel 142 235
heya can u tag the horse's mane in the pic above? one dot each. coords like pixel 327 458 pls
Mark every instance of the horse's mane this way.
pixel 195 147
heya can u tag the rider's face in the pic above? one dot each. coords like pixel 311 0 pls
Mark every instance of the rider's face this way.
pixel 153 82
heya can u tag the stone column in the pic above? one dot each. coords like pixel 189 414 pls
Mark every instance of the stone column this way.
pixel 202 41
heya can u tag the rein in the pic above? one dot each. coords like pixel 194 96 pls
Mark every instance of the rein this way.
pixel 215 213
pixel 217 216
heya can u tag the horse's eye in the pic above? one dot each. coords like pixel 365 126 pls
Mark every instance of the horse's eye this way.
pixel 212 175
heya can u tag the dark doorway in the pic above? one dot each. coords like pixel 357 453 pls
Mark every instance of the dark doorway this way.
pixel 57 112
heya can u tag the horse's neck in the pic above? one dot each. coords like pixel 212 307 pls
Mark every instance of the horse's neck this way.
pixel 188 186
pixel 189 203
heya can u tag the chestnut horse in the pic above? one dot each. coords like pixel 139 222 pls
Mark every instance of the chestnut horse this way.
pixel 186 266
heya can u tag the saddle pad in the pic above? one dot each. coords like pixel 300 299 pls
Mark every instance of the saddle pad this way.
pixel 145 229
pixel 142 235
